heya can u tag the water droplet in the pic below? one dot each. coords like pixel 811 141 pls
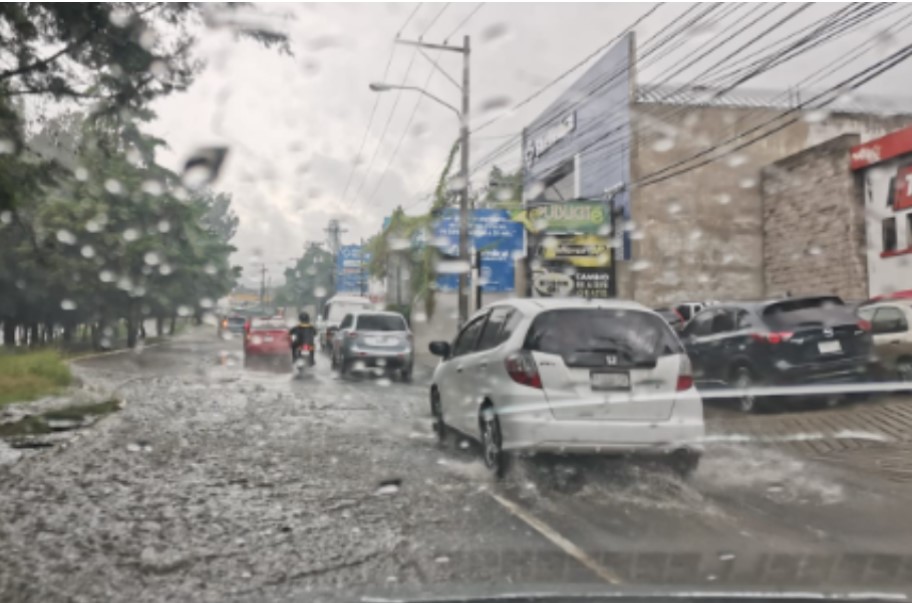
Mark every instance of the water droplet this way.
pixel 135 157
pixel 81 174
pixel 6 146
pixel 165 269
pixel 113 186
pixel 160 70
pixel 124 283
pixel 453 267
pixel 106 276
pixel 66 237
pixel 164 226
pixel 210 269
pixel 184 311
pixel 67 304
pixel 320 292
pixel 389 486
pixel 119 17
pixel 495 103
pixel 419 317
pixel 130 235
pixel 727 259
pixel 535 189
pixel 747 183
pixel 133 447
pixel 464 444
pixel 137 291
pixel 639 265
pixel 206 302
pixel 203 166
pixel 736 160
pixel 674 208
pixel 87 251
pixel 442 559
pixel 152 258
pixel 549 243
pixel 814 250
pixel 492 32
pixel 152 187
pixel 723 199
pixel 702 278
pixel 695 234
pixel 147 39
pixel 663 145
pixel 398 244
pixel 815 116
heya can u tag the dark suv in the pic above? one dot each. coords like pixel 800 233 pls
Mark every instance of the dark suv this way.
pixel 794 341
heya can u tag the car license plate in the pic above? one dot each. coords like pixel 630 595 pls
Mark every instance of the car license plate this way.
pixel 380 341
pixel 609 381
pixel 268 339
pixel 829 347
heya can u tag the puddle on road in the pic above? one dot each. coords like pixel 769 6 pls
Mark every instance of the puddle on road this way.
pixel 19 433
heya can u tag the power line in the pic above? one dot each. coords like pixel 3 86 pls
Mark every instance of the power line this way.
pixel 463 22
pixel 434 20
pixel 370 120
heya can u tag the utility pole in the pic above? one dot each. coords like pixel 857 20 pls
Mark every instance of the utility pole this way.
pixel 361 280
pixel 262 284
pixel 463 114
pixel 334 233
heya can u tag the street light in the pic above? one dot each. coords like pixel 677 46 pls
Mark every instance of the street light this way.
pixel 463 116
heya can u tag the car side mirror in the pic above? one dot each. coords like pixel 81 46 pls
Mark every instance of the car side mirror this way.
pixel 440 348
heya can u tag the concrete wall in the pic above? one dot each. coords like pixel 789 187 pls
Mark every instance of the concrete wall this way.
pixel 699 234
pixel 813 223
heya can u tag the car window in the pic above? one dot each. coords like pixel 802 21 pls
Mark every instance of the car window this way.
pixel 381 322
pixel 259 324
pixel 723 322
pixel 494 332
pixel 339 309
pixel 577 333
pixel 743 320
pixel 684 311
pixel 465 341
pixel 811 311
pixel 346 322
pixel 889 320
pixel 701 324
pixel 867 313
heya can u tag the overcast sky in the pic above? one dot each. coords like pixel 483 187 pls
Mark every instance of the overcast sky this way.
pixel 294 123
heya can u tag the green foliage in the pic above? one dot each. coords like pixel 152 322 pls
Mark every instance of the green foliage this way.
pixel 504 191
pixel 30 375
pixel 308 281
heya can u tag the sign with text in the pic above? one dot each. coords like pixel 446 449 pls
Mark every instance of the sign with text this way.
pixel 351 269
pixel 582 251
pixel 572 217
pixel 492 232
pixel 556 280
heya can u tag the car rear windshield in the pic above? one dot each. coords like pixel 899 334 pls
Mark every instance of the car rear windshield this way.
pixel 577 333
pixel 267 325
pixel 807 312
pixel 338 310
pixel 380 322
pixel 236 320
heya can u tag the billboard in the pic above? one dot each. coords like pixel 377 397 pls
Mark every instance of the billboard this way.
pixel 492 232
pixel 351 269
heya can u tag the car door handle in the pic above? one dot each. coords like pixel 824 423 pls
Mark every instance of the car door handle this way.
pixel 895 342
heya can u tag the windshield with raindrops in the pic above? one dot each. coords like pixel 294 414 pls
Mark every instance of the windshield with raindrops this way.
pixel 455 301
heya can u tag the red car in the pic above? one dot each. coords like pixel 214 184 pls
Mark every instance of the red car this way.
pixel 267 340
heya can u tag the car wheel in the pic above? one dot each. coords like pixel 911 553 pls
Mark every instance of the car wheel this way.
pixel 495 459
pixel 405 374
pixel 344 367
pixel 685 462
pixel 744 380
pixel 437 424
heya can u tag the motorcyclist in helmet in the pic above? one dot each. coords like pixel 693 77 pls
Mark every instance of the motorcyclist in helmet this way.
pixel 302 334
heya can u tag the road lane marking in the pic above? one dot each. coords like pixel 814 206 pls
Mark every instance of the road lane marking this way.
pixel 558 540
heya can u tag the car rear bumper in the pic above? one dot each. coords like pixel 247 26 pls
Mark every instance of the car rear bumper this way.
pixel 851 370
pixel 270 352
pixel 376 358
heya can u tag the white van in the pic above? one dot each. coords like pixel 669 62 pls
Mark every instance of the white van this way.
pixel 334 310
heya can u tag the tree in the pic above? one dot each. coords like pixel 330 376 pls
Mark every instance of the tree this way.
pixel 503 190
pixel 308 281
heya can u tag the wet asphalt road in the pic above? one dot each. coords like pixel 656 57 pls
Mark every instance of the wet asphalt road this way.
pixel 219 484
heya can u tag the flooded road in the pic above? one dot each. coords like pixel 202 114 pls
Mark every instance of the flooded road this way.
pixel 219 484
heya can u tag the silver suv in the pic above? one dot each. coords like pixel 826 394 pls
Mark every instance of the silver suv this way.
pixel 380 340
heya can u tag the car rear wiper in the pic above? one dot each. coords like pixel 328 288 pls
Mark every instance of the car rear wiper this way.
pixel 636 362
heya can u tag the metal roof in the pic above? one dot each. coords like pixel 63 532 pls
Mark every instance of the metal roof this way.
pixel 701 96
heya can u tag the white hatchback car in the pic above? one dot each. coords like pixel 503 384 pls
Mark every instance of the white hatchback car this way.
pixel 568 376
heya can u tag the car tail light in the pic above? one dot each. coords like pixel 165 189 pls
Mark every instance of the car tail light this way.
pixel 777 337
pixel 353 334
pixel 224 324
pixel 522 369
pixel 685 375
pixel 864 325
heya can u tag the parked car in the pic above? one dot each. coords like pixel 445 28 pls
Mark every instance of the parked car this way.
pixel 374 339
pixel 233 323
pixel 688 310
pixel 571 376
pixel 334 310
pixel 267 342
pixel 793 341
pixel 672 317
pixel 889 322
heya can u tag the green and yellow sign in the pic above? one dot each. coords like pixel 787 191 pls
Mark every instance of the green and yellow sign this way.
pixel 572 217
pixel 582 251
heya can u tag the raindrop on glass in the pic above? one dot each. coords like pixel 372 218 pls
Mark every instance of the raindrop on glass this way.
pixel 66 237
pixel 320 292
pixel 663 145
pixel 67 304
pixel 210 269
pixel 815 116
pixel 452 267
pixel 152 258
pixel 130 235
pixel 119 17
pixel 124 283
pixel 184 311
pixel 164 226
pixel 113 186
pixel 723 199
pixel 164 269
pixel 495 103
pixel 492 32
pixel 206 302
pixel 814 250
pixel 106 276
pixel 639 265
pixel 81 174
pixel 736 160
pixel 152 187
pixel 674 208
pixel 747 183
pixel 398 244
pixel 203 166
pixel 159 70
pixel 87 251
pixel 6 146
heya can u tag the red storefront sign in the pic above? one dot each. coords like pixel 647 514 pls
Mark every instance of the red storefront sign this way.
pixel 903 194
pixel 887 147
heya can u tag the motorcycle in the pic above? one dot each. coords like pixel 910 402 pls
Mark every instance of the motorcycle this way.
pixel 303 358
